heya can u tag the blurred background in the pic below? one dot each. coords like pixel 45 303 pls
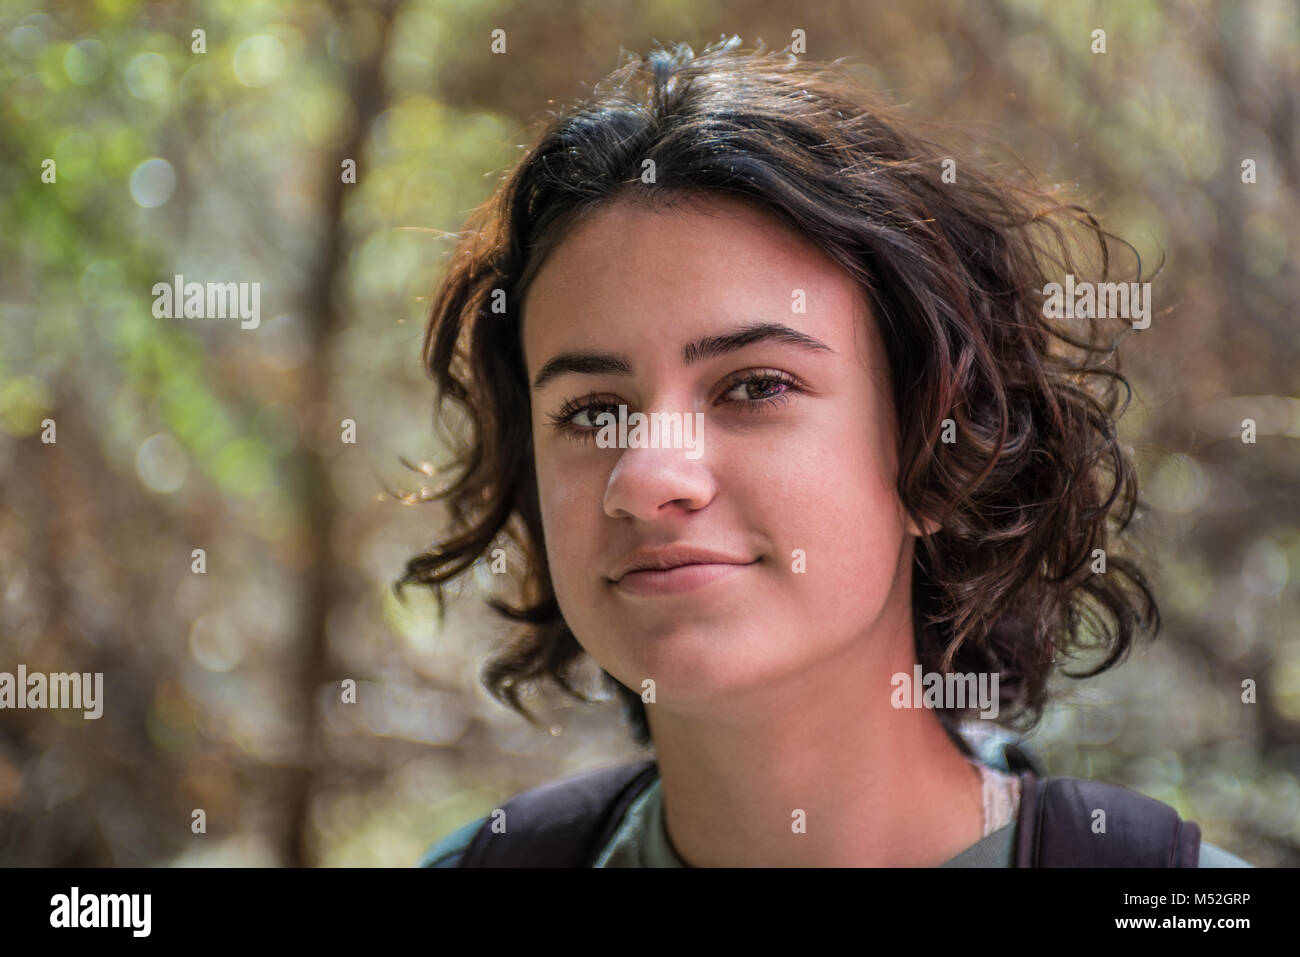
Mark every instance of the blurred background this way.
pixel 222 689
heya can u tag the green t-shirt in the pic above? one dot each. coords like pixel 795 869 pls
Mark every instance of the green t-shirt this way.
pixel 641 840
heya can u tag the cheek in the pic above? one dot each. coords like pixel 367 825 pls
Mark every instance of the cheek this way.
pixel 573 520
pixel 571 506
pixel 841 508
pixel 851 535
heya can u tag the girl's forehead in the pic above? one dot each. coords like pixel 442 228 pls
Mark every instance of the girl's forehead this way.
pixel 712 256
pixel 690 222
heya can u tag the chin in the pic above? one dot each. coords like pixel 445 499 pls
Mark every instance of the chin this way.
pixel 690 662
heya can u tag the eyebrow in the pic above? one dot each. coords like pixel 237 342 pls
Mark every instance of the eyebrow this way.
pixel 610 363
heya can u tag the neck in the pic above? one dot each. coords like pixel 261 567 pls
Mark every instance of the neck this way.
pixel 876 785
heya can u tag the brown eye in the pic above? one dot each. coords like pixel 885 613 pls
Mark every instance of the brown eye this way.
pixel 587 407
pixel 591 412
pixel 754 392
pixel 767 388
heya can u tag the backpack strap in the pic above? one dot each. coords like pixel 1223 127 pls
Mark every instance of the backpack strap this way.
pixel 1055 827
pixel 563 823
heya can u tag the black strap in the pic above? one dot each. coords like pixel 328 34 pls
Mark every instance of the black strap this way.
pixel 563 823
pixel 1059 826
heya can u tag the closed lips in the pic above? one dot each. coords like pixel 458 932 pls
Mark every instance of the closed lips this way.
pixel 661 559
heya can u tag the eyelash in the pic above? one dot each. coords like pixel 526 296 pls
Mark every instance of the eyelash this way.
pixel 560 421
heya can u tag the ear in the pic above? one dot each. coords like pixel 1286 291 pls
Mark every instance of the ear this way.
pixel 931 527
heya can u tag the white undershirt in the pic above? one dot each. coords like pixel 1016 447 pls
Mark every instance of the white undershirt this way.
pixel 1001 798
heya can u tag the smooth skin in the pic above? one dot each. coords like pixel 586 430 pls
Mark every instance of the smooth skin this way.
pixel 772 687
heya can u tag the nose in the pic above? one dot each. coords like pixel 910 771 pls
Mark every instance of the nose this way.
pixel 647 482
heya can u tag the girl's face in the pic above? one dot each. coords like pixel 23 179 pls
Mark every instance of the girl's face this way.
pixel 792 479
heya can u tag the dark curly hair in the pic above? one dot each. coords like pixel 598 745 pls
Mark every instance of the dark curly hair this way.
pixel 956 273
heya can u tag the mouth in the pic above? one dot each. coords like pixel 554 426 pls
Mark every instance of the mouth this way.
pixel 679 580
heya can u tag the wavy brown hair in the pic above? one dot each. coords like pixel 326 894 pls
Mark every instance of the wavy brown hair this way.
pixel 955 272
